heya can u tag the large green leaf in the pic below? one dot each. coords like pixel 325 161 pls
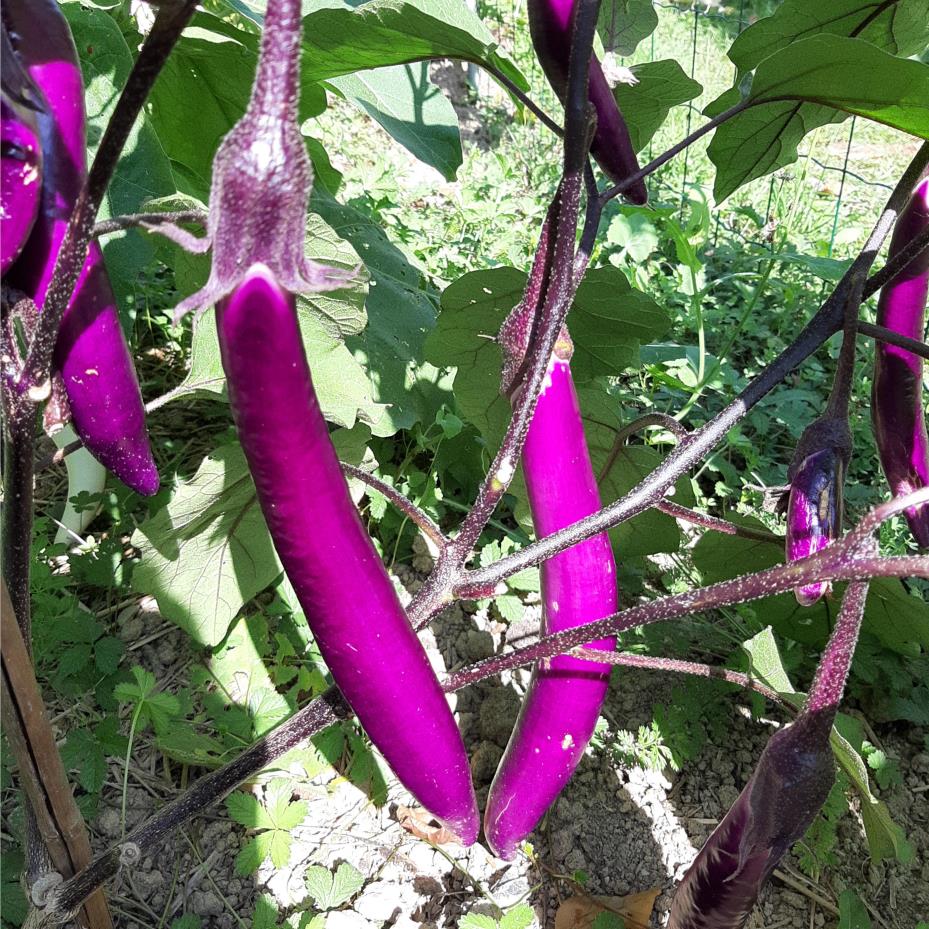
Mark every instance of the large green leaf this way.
pixel 900 27
pixel 646 104
pixel 343 36
pixel 401 313
pixel 412 109
pixel 900 621
pixel 802 87
pixel 343 39
pixel 473 309
pixel 143 172
pixel 208 552
pixel 609 322
pixel 851 75
pixel 622 24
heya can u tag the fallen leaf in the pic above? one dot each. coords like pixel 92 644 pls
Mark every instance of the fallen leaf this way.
pixel 420 823
pixel 580 912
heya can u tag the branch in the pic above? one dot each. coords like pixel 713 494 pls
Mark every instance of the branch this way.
pixel 520 95
pixel 883 334
pixel 654 663
pixel 665 157
pixel 828 564
pixel 716 524
pixel 148 221
pixel 406 506
pixel 896 264
pixel 651 489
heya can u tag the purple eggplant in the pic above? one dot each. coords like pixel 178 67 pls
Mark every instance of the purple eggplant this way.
pixel 565 694
pixel 550 25
pixel 350 603
pixel 787 789
pixel 91 351
pixel 897 411
pixel 794 775
pixel 814 513
pixel 20 178
pixel 814 503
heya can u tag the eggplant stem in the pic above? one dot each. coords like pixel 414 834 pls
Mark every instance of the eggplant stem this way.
pixel 883 334
pixel 695 668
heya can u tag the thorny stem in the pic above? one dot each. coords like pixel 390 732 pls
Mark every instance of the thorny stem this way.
pixel 837 562
pixel 166 30
pixel 695 668
pixel 829 683
pixel 829 318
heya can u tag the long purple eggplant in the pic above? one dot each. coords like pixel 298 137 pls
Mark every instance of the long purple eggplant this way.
pixel 350 603
pixel 91 351
pixel 897 410
pixel 565 694
pixel 20 178
pixel 794 775
pixel 550 24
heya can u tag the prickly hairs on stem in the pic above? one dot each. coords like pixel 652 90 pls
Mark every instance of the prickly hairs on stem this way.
pixel 262 178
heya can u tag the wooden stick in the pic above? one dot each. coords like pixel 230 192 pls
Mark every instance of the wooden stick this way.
pixel 42 774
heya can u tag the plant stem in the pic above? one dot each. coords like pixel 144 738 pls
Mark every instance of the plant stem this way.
pixel 409 509
pixel 716 524
pixel 829 683
pixel 883 334
pixel 895 265
pixel 148 220
pixel 695 668
pixel 18 480
pixel 135 721
pixel 665 157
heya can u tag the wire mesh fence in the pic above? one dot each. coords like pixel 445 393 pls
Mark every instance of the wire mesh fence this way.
pixel 839 179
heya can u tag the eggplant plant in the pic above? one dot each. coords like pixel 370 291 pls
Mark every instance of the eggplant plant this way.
pixel 61 326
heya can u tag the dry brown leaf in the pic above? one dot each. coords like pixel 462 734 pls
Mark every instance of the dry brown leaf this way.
pixel 580 912
pixel 420 823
